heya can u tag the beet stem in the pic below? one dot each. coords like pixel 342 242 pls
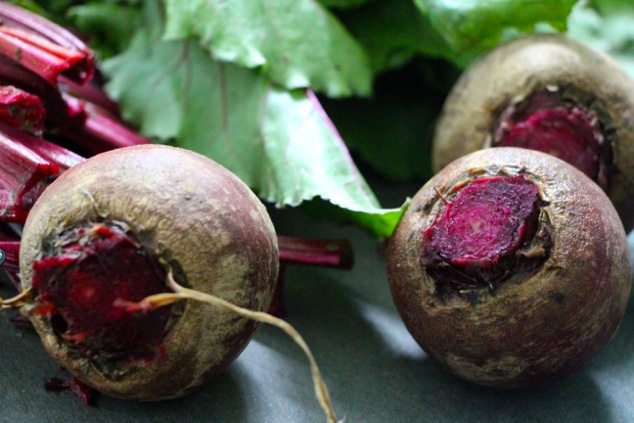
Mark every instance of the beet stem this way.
pixel 12 73
pixel 37 54
pixel 21 110
pixel 95 129
pixel 22 175
pixel 39 27
pixel 91 93
pixel 328 253
pixel 50 151
pixel 28 165
pixel 311 252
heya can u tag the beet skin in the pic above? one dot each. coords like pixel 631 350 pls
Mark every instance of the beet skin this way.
pixel 511 268
pixel 110 230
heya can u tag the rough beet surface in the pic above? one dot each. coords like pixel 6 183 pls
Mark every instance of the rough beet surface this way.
pixel 553 94
pixel 83 280
pixel 475 239
pixel 556 305
pixel 110 229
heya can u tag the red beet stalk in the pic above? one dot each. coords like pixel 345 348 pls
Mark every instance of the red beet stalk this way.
pixel 52 152
pixel 329 253
pixel 95 129
pixel 312 252
pixel 21 110
pixel 22 177
pixel 14 74
pixel 28 164
pixel 91 93
pixel 37 54
pixel 16 17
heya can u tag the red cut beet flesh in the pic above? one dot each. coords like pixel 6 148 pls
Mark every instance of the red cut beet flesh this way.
pixel 481 228
pixel 566 134
pixel 79 288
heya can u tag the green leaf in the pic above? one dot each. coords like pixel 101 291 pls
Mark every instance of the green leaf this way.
pixel 470 27
pixel 298 43
pixel 108 25
pixel 392 131
pixel 381 225
pixel 607 28
pixel 608 7
pixel 279 142
pixel 343 3
pixel 392 32
pixel 52 10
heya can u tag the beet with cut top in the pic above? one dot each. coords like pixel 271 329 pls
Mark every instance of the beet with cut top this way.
pixel 109 231
pixel 549 93
pixel 476 238
pixel 511 268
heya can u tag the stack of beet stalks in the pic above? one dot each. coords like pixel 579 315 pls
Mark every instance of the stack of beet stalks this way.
pixel 52 112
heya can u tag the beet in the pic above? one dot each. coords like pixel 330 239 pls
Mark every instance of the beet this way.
pixel 511 268
pixel 549 93
pixel 112 231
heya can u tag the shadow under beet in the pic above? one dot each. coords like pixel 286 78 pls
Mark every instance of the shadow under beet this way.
pixel 418 386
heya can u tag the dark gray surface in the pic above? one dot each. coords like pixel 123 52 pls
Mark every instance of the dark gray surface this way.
pixel 375 371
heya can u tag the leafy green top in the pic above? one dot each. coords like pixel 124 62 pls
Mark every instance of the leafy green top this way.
pixel 243 81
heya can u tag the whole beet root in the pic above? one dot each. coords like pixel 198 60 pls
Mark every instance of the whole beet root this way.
pixel 109 232
pixel 511 268
pixel 552 94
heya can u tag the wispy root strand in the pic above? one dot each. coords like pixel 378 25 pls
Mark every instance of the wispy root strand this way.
pixel 181 293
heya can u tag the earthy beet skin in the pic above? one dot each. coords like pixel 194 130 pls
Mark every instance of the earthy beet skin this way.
pixel 552 94
pixel 511 268
pixel 108 231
